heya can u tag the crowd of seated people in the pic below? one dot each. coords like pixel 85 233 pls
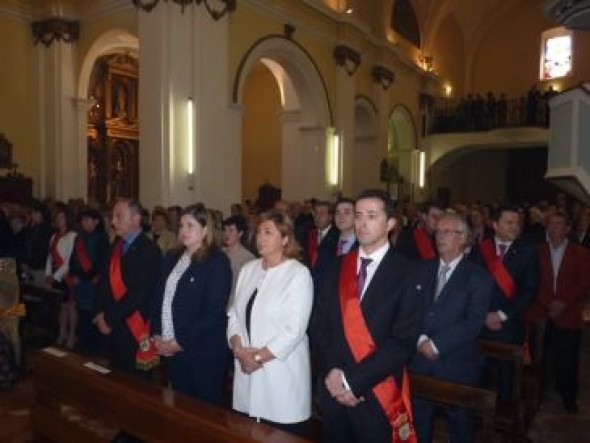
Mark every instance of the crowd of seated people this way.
pixel 361 290
pixel 484 112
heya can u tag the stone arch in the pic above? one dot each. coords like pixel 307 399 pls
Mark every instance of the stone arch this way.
pixel 114 40
pixel 306 112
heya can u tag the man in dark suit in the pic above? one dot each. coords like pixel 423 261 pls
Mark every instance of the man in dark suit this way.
pixel 419 242
pixel 366 332
pixel 456 294
pixel 514 267
pixel 322 241
pixel 563 288
pixel 127 286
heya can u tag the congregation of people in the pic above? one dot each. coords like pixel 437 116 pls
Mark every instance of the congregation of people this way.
pixel 484 112
pixel 316 307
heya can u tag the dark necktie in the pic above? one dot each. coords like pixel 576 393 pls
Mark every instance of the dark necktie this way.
pixel 502 247
pixel 341 244
pixel 362 275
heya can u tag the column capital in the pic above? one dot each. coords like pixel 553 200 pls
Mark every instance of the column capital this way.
pixel 215 12
pixel 55 28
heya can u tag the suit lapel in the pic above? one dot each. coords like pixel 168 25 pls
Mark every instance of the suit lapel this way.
pixel 382 275
pixel 455 278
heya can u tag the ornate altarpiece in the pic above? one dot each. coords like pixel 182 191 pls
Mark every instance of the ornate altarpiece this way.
pixel 113 129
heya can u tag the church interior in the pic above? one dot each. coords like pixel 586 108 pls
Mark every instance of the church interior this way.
pixel 173 102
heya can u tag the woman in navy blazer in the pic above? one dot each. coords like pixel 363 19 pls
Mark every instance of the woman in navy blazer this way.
pixel 189 317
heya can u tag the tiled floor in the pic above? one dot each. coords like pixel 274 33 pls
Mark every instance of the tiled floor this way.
pixel 551 425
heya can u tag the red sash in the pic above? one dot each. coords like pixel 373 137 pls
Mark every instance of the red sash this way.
pixel 58 262
pixel 395 404
pixel 312 246
pixel 496 267
pixel 83 257
pixel 145 356
pixel 424 243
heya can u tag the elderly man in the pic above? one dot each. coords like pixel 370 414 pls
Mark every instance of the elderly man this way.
pixel 563 288
pixel 455 295
pixel 125 298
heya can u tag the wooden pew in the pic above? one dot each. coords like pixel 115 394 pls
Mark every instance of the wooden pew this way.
pixel 66 390
pixel 509 419
pixel 448 393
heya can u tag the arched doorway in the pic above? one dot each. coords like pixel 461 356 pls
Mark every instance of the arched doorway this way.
pixel 108 136
pixel 303 119
pixel 401 149
pixel 366 152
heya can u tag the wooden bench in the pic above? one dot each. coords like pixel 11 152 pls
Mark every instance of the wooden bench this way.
pixel 77 404
pixel 509 419
pixel 447 393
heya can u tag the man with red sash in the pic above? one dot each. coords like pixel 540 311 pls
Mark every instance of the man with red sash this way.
pixel 86 267
pixel 456 295
pixel 514 268
pixel 365 332
pixel 418 242
pixel 125 301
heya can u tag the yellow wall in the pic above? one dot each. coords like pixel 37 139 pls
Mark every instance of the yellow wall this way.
pixel 261 133
pixel 508 57
pixel 18 106
pixel 449 55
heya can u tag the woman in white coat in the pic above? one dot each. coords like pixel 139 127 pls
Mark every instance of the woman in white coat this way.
pixel 267 330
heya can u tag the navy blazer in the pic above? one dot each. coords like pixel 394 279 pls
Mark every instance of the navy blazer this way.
pixel 326 252
pixel 454 320
pixel 199 304
pixel 139 268
pixel 521 262
pixel 392 313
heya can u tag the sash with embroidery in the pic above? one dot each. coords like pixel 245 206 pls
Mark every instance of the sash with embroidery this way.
pixel 395 403
pixel 145 356
pixel 83 257
pixel 312 246
pixel 424 243
pixel 496 267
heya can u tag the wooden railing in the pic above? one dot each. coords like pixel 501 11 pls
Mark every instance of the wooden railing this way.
pixel 75 403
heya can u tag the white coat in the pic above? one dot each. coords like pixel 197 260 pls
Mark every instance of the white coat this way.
pixel 281 390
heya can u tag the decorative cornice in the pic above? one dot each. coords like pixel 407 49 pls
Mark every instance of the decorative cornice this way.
pixel 347 58
pixel 46 31
pixel 216 14
pixel 382 75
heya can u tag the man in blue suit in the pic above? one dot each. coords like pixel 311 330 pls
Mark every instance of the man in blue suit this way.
pixel 456 296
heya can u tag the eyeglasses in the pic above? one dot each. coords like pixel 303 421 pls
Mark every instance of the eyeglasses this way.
pixel 446 232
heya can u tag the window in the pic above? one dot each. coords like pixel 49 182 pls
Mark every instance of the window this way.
pixel 556 54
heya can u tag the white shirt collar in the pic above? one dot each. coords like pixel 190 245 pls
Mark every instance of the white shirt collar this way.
pixel 376 255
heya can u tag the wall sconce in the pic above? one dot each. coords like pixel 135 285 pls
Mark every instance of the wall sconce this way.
pixel 419 167
pixel 347 58
pixel 448 90
pixel 426 62
pixel 333 157
pixel 190 136
pixel 216 14
pixel 383 76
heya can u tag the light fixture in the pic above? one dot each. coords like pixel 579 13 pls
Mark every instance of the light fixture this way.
pixel 190 135
pixel 426 62
pixel 333 157
pixel 383 76
pixel 421 169
pixel 350 10
pixel 448 89
pixel 347 58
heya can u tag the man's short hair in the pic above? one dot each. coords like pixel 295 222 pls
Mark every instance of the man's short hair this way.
pixel 326 204
pixel 379 194
pixel 436 204
pixel 497 213
pixel 343 200
pixel 236 220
